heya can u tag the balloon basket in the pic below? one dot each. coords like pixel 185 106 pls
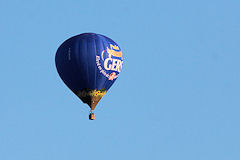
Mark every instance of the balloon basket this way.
pixel 91 116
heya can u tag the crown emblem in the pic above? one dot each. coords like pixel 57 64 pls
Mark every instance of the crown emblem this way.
pixel 114 47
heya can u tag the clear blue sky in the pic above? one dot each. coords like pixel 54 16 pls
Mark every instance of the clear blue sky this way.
pixel 177 98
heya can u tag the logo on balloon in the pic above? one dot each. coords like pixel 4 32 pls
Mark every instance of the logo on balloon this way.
pixel 110 63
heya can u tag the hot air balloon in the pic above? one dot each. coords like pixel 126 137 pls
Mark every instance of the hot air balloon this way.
pixel 89 64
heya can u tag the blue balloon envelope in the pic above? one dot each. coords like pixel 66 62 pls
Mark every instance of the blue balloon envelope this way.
pixel 89 64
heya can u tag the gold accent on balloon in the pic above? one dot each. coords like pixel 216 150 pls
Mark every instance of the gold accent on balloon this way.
pixel 91 97
pixel 114 53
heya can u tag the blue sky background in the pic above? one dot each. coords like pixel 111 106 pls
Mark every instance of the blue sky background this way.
pixel 178 96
